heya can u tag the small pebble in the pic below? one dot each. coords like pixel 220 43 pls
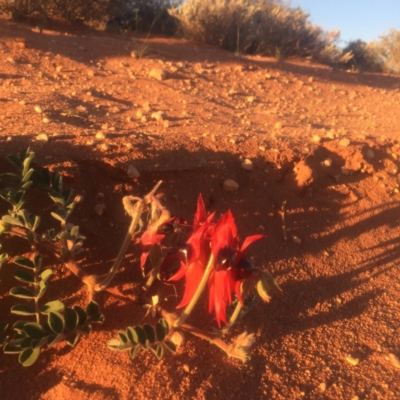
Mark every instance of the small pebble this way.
pixel 394 360
pixel 296 239
pixel 22 102
pixel 230 185
pixel 328 162
pixel 278 125
pixel 158 73
pixel 322 386
pixel 133 172
pixel 42 137
pixel 159 115
pixel 352 361
pixel 100 209
pixel 345 142
pixel 78 198
pixel 38 109
pixel 370 154
pixel 9 139
pixel 261 148
pixel 247 165
pixel 250 99
pixel 316 138
pixel 100 135
pixel 46 120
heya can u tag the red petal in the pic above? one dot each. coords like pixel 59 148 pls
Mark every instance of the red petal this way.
pixel 249 240
pixel 180 273
pixel 194 274
pixel 225 233
pixel 201 213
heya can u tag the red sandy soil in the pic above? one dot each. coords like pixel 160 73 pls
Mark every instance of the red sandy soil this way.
pixel 340 276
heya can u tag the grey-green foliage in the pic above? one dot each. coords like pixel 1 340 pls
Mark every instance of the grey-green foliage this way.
pixel 53 322
pixel 137 338
pixel 388 47
pixel 364 57
pixel 262 25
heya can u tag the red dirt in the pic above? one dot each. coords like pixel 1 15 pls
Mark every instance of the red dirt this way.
pixel 340 279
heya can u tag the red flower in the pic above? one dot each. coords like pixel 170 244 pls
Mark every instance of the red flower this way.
pixel 230 265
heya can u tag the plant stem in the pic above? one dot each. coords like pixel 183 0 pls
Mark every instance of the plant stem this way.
pixel 233 318
pixel 199 290
pixel 136 212
pixel 37 289
pixel 132 227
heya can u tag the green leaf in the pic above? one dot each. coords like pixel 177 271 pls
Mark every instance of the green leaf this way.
pixel 34 330
pixel 3 258
pixel 61 214
pixel 27 176
pixel 86 329
pixel 22 309
pixel 56 322
pixel 72 340
pixel 132 335
pixel 37 260
pixel 92 308
pixel 24 262
pixel 15 160
pixel 24 276
pixel 160 332
pixel 26 185
pixel 75 231
pixel 150 334
pixel 81 314
pixel 11 220
pixel 71 319
pixel 26 163
pixel 133 352
pixel 13 347
pixel 159 352
pixel 19 325
pixel 27 343
pixel 97 318
pixel 3 327
pixel 45 275
pixel 22 293
pixel 164 323
pixel 67 193
pixel 42 289
pixel 58 199
pixel 123 337
pixel 51 339
pixel 55 306
pixel 140 334
pixel 29 356
pixel 114 344
pixel 170 346
pixel 35 223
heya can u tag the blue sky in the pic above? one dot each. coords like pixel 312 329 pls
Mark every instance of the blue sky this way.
pixel 356 19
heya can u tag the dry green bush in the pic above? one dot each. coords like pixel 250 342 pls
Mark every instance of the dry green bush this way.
pixel 389 48
pixel 139 15
pixel 257 26
pixel 364 57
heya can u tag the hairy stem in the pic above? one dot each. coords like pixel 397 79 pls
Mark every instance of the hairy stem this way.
pixel 195 298
pixel 233 318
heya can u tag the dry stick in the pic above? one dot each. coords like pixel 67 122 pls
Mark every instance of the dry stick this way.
pixel 283 220
pixel 136 213
pixel 195 298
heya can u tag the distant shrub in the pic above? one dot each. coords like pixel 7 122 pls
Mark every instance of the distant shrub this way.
pixel 262 25
pixel 364 57
pixel 389 48
pixel 137 15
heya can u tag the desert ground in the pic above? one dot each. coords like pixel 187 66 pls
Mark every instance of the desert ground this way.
pixel 323 143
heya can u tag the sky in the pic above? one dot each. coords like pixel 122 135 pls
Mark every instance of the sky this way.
pixel 356 19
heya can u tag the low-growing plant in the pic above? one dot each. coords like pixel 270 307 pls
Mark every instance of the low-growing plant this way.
pixel 208 253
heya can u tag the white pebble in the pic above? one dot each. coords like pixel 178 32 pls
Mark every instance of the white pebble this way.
pixel 133 172
pixel 230 185
pixel 352 361
pixel 328 162
pixel 247 165
pixel 42 137
pixel 345 142
pixel 394 360
pixel 100 135
pixel 38 109
pixel 316 138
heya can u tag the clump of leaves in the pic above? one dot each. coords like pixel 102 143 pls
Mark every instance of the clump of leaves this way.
pixel 146 338
pixel 54 321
